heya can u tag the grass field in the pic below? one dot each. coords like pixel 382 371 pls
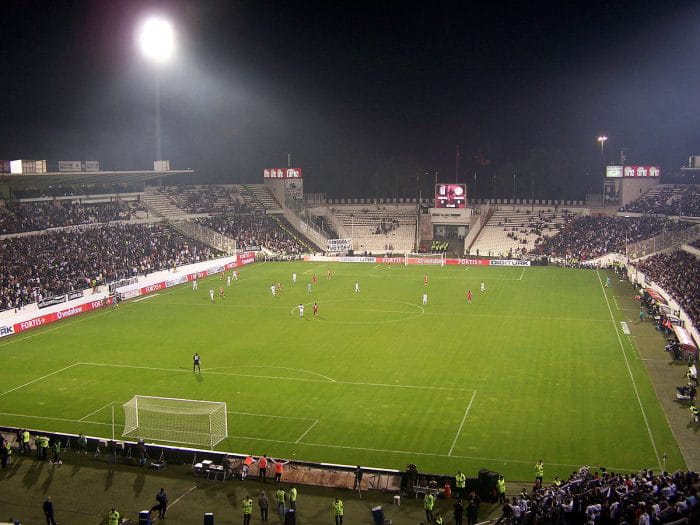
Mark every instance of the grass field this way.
pixel 536 367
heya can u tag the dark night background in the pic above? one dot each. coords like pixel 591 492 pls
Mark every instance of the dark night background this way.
pixel 365 96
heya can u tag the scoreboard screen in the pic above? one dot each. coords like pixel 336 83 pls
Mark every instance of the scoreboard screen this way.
pixel 450 195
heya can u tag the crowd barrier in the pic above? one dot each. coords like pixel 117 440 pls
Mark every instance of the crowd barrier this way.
pixel 88 300
pixel 418 261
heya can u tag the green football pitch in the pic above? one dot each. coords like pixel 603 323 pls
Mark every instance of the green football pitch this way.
pixel 535 367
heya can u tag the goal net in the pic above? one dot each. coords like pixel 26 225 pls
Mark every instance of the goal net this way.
pixel 435 259
pixel 184 421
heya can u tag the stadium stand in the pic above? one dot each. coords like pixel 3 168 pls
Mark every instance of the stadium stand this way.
pixel 679 274
pixel 379 228
pixel 253 231
pixel 206 199
pixel 606 497
pixel 40 215
pixel 586 238
pixel 668 199
pixel 516 230
pixel 34 267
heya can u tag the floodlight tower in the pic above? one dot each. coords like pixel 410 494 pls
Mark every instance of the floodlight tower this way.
pixel 602 140
pixel 156 39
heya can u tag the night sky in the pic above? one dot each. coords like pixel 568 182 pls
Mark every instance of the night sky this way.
pixel 366 96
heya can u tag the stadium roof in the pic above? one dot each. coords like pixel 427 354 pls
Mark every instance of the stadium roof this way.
pixel 95 177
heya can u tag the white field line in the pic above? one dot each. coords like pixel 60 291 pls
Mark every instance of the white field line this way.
pixel 55 419
pixel 307 431
pixel 464 418
pixel 96 411
pixel 277 378
pixel 311 270
pixel 629 370
pixel 346 447
pixel 522 273
pixel 38 379
pixel 182 496
pixel 276 368
pixel 149 296
pixel 269 415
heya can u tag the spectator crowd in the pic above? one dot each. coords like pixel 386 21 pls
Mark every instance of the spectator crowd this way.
pixel 254 231
pixel 679 274
pixel 668 200
pixel 35 216
pixel 589 237
pixel 35 267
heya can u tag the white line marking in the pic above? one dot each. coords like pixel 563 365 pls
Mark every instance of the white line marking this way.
pixel 629 370
pixel 309 380
pixel 464 418
pixel 522 273
pixel 38 379
pixel 310 270
pixel 269 415
pixel 185 494
pixel 307 431
pixel 277 367
pixel 145 297
pixel 55 419
pixel 96 411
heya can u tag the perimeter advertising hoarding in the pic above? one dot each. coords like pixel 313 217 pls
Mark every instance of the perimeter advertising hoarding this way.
pixel 613 171
pixel 282 173
pixel 450 195
pixel 642 171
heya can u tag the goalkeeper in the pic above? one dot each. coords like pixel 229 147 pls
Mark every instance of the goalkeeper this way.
pixel 196 362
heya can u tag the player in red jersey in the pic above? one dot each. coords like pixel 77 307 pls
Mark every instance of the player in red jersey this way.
pixel 469 297
pixel 314 279
pixel 315 309
pixel 221 291
pixel 425 279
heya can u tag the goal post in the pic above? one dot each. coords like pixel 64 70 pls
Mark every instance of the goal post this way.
pixel 172 420
pixel 433 259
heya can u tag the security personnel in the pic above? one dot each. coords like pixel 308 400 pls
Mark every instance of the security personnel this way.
pixel 338 511
pixel 280 494
pixel 460 483
pixel 25 442
pixel 293 498
pixel 694 413
pixel 247 509
pixel 428 505
pixel 438 520
pixel 501 487
pixel 114 517
pixel 44 447
pixel 557 481
pixel 539 471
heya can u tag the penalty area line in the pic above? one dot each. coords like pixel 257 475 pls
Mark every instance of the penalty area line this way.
pixel 461 425
pixel 310 270
pixel 39 379
pixel 307 431
pixel 96 411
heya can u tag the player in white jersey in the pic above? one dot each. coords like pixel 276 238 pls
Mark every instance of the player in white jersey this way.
pixel 194 283
pixel 273 289
pixel 483 286
pixel 308 287
pixel 425 299
pixel 301 310
pixel 294 277
pixel 228 280
pixel 211 295
pixel 235 274
pixel 357 287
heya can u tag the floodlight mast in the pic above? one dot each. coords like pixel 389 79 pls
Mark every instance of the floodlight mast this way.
pixel 157 42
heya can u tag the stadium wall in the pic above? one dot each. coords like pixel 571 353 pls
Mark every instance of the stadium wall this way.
pixel 419 261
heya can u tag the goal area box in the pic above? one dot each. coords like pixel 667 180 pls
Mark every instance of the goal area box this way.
pixel 172 420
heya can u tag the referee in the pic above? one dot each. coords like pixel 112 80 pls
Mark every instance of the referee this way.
pixel 195 362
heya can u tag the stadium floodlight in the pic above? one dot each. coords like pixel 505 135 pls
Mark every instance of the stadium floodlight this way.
pixel 157 39
pixel 183 421
pixel 602 140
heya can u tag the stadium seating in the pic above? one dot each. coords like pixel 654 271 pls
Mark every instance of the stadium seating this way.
pixel 40 215
pixel 205 199
pixel 586 238
pixel 668 199
pixel 34 267
pixel 379 228
pixel 679 274
pixel 515 230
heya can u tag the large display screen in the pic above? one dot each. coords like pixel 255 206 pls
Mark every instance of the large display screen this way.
pixel 642 171
pixel 450 195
